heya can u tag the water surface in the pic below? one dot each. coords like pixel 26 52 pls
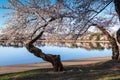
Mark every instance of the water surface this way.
pixel 12 55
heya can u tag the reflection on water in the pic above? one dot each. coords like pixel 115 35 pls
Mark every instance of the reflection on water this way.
pixel 17 54
pixel 87 45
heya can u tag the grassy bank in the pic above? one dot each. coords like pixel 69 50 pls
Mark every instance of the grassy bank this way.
pixel 109 70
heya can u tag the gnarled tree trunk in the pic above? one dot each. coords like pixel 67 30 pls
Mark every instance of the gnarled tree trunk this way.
pixel 117 8
pixel 54 59
pixel 118 35
pixel 115 48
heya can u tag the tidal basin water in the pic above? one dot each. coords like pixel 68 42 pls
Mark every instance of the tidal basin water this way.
pixel 13 56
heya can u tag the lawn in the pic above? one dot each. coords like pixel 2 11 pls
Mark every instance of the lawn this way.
pixel 109 70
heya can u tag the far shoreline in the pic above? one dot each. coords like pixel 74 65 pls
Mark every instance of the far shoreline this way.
pixel 67 40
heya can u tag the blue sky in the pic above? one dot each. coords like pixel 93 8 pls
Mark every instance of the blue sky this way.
pixel 2 12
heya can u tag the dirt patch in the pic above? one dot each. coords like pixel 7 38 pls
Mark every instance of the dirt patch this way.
pixel 25 67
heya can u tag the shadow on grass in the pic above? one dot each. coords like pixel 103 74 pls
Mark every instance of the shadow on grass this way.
pixel 109 70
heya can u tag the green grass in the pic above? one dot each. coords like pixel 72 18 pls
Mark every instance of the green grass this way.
pixel 98 71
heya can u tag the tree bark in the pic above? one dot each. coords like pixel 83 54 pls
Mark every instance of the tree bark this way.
pixel 115 48
pixel 53 59
pixel 117 7
pixel 118 35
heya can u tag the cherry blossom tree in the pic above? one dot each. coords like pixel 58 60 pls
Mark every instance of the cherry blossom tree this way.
pixel 34 18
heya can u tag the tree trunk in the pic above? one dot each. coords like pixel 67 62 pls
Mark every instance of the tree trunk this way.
pixel 117 7
pixel 115 48
pixel 118 35
pixel 54 59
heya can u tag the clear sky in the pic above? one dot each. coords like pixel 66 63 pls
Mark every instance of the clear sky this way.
pixel 2 12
